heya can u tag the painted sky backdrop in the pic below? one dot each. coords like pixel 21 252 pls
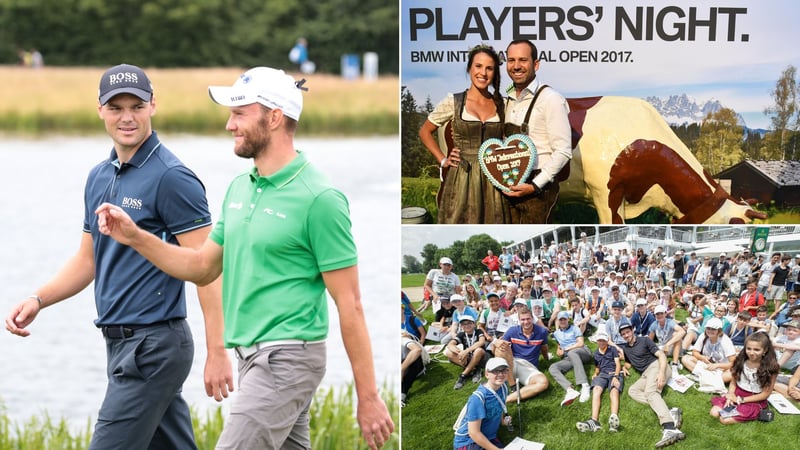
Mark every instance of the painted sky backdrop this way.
pixel 730 50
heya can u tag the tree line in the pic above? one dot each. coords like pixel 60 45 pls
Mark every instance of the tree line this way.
pixel 466 255
pixel 718 142
pixel 198 33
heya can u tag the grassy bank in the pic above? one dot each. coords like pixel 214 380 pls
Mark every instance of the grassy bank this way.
pixel 433 406
pixel 64 100
pixel 332 422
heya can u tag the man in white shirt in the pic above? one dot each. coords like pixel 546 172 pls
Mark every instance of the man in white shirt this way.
pixel 542 113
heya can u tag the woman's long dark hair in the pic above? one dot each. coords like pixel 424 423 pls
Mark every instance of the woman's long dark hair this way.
pixel 497 97
pixel 769 366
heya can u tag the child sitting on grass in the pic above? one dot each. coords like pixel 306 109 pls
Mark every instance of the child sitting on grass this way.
pixel 606 376
pixel 753 377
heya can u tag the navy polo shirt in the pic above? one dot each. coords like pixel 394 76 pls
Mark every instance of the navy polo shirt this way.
pixel 163 197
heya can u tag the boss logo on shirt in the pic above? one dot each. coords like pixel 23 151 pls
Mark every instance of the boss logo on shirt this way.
pixel 131 203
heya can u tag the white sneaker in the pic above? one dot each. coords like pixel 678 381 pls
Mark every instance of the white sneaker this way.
pixel 572 394
pixel 677 416
pixel 613 423
pixel 670 437
pixel 585 393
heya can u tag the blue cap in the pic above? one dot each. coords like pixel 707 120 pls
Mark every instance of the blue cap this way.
pixel 624 323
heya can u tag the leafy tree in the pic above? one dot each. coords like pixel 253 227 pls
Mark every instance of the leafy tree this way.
pixel 199 33
pixel 752 145
pixel 475 250
pixel 783 114
pixel 411 264
pixel 719 144
pixel 414 155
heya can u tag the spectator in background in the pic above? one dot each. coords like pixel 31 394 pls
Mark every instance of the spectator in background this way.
pixel 491 262
pixel 777 282
pixel 441 282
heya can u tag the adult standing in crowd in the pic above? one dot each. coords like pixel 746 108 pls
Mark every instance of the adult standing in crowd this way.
pixel 491 261
pixel 441 282
pixel 138 305
pixel 535 109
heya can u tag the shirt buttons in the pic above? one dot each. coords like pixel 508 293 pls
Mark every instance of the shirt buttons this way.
pixel 258 190
pixel 252 205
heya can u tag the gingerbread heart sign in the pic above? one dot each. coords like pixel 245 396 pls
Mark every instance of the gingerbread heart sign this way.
pixel 509 162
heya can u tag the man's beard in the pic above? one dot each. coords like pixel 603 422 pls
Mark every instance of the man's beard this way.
pixel 255 141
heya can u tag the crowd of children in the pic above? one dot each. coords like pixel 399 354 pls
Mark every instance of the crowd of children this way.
pixel 626 303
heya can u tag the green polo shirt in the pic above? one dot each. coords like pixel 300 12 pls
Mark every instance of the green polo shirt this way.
pixel 279 234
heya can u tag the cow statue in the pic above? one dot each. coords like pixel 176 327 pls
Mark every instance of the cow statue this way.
pixel 626 159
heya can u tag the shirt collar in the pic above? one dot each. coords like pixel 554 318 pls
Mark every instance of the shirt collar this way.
pixel 532 87
pixel 148 147
pixel 286 174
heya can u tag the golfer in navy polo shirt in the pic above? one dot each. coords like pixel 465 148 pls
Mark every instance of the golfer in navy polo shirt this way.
pixel 140 309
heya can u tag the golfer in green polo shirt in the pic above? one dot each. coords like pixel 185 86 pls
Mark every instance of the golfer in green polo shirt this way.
pixel 284 233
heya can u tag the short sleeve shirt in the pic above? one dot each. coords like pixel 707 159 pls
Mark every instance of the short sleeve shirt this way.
pixel 605 361
pixel 568 337
pixel 280 233
pixel 526 348
pixel 663 334
pixel 484 406
pixel 719 351
pixel 443 284
pixel 641 354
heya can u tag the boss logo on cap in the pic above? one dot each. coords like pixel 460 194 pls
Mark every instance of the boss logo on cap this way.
pixel 123 77
pixel 237 98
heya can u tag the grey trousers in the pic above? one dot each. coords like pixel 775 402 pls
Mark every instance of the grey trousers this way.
pixel 143 407
pixel 573 360
pixel 276 386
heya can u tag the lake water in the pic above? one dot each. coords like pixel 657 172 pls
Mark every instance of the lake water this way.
pixel 60 368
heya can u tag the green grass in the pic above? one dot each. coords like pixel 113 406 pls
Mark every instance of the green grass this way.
pixel 433 406
pixel 332 422
pixel 412 280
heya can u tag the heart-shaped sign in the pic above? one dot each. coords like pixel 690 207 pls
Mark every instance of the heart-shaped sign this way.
pixel 509 162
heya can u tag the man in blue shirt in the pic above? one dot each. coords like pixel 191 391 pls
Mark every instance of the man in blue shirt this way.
pixel 140 309
pixel 521 346
pixel 642 319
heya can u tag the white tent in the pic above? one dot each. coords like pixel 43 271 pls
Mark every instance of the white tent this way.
pixel 714 250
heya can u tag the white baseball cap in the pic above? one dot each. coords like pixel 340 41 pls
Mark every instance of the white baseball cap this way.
pixel 270 87
pixel 496 363
pixel 714 323
pixel 660 309
pixel 445 260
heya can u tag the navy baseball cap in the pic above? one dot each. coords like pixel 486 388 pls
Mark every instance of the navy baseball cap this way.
pixel 124 79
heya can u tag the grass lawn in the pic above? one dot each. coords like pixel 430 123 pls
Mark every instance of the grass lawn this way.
pixel 433 405
pixel 412 280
